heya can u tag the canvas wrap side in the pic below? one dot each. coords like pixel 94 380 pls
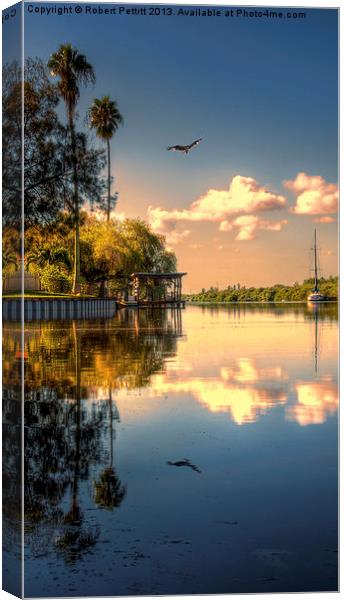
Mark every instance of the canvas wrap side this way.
pixel 12 384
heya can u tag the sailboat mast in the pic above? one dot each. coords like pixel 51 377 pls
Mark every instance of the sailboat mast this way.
pixel 316 284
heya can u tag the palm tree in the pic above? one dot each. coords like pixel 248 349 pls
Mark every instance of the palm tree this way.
pixel 72 69
pixel 105 117
pixel 48 256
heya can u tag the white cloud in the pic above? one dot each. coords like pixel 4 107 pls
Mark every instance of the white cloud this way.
pixel 315 196
pixel 244 197
pixel 248 225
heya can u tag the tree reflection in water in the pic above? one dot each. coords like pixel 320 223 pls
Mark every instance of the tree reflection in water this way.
pixel 72 370
pixel 109 492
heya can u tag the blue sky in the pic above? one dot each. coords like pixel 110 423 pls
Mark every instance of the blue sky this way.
pixel 262 93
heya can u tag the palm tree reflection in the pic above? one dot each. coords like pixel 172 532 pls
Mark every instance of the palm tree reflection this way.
pixel 70 420
pixel 109 491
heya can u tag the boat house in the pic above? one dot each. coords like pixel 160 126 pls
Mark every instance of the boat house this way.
pixel 156 289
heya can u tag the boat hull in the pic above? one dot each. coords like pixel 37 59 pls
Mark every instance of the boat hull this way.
pixel 316 297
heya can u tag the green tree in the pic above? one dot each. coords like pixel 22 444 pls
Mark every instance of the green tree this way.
pixel 72 69
pixel 9 261
pixel 106 118
pixel 48 255
pixel 120 248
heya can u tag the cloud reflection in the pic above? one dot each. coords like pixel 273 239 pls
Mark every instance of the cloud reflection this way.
pixel 244 392
pixel 315 402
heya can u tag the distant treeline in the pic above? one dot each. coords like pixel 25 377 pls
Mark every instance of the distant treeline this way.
pixel 276 293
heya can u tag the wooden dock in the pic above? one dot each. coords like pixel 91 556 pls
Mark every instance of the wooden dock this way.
pixel 155 289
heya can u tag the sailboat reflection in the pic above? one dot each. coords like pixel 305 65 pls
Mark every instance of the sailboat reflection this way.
pixel 314 308
pixel 316 400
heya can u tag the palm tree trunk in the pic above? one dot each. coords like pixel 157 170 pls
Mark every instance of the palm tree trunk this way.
pixel 109 180
pixel 76 265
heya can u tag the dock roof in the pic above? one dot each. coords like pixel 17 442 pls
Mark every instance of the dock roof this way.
pixel 157 275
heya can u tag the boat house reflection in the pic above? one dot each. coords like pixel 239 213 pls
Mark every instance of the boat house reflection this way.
pixel 72 372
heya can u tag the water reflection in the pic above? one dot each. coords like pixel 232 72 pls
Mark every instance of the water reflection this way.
pixel 250 386
pixel 315 402
pixel 108 404
pixel 244 391
pixel 71 372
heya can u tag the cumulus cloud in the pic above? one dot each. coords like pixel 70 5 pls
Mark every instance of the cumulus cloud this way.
pixel 324 220
pixel 249 224
pixel 315 195
pixel 244 197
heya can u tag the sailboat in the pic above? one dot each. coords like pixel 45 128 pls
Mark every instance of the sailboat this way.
pixel 315 295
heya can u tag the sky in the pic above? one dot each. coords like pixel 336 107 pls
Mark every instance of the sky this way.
pixel 263 95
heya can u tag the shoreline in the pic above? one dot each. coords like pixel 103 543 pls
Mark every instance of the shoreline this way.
pixel 195 303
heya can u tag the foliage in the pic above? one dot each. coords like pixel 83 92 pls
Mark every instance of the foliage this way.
pixel 72 69
pixel 277 293
pixel 54 280
pixel 63 174
pixel 105 117
pixel 48 176
pixel 39 257
pixel 11 144
pixel 116 249
pixel 109 251
pixel 10 251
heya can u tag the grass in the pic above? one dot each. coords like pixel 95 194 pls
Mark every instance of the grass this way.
pixel 48 295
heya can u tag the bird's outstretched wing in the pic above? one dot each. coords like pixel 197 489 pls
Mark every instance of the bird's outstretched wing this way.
pixel 195 143
pixel 177 148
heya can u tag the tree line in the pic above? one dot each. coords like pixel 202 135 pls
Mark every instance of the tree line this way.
pixel 63 181
pixel 276 293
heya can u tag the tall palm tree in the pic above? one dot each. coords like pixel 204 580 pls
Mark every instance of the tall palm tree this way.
pixel 105 117
pixel 72 69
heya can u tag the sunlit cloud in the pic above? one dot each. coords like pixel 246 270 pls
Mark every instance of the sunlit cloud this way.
pixel 245 197
pixel 324 220
pixel 315 402
pixel 248 225
pixel 172 236
pixel 315 195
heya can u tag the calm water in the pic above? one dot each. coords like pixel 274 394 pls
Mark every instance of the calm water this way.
pixel 248 395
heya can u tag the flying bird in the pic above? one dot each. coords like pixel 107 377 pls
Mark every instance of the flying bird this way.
pixel 184 149
pixel 185 462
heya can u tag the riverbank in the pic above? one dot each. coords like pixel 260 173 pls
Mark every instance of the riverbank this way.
pixel 298 292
